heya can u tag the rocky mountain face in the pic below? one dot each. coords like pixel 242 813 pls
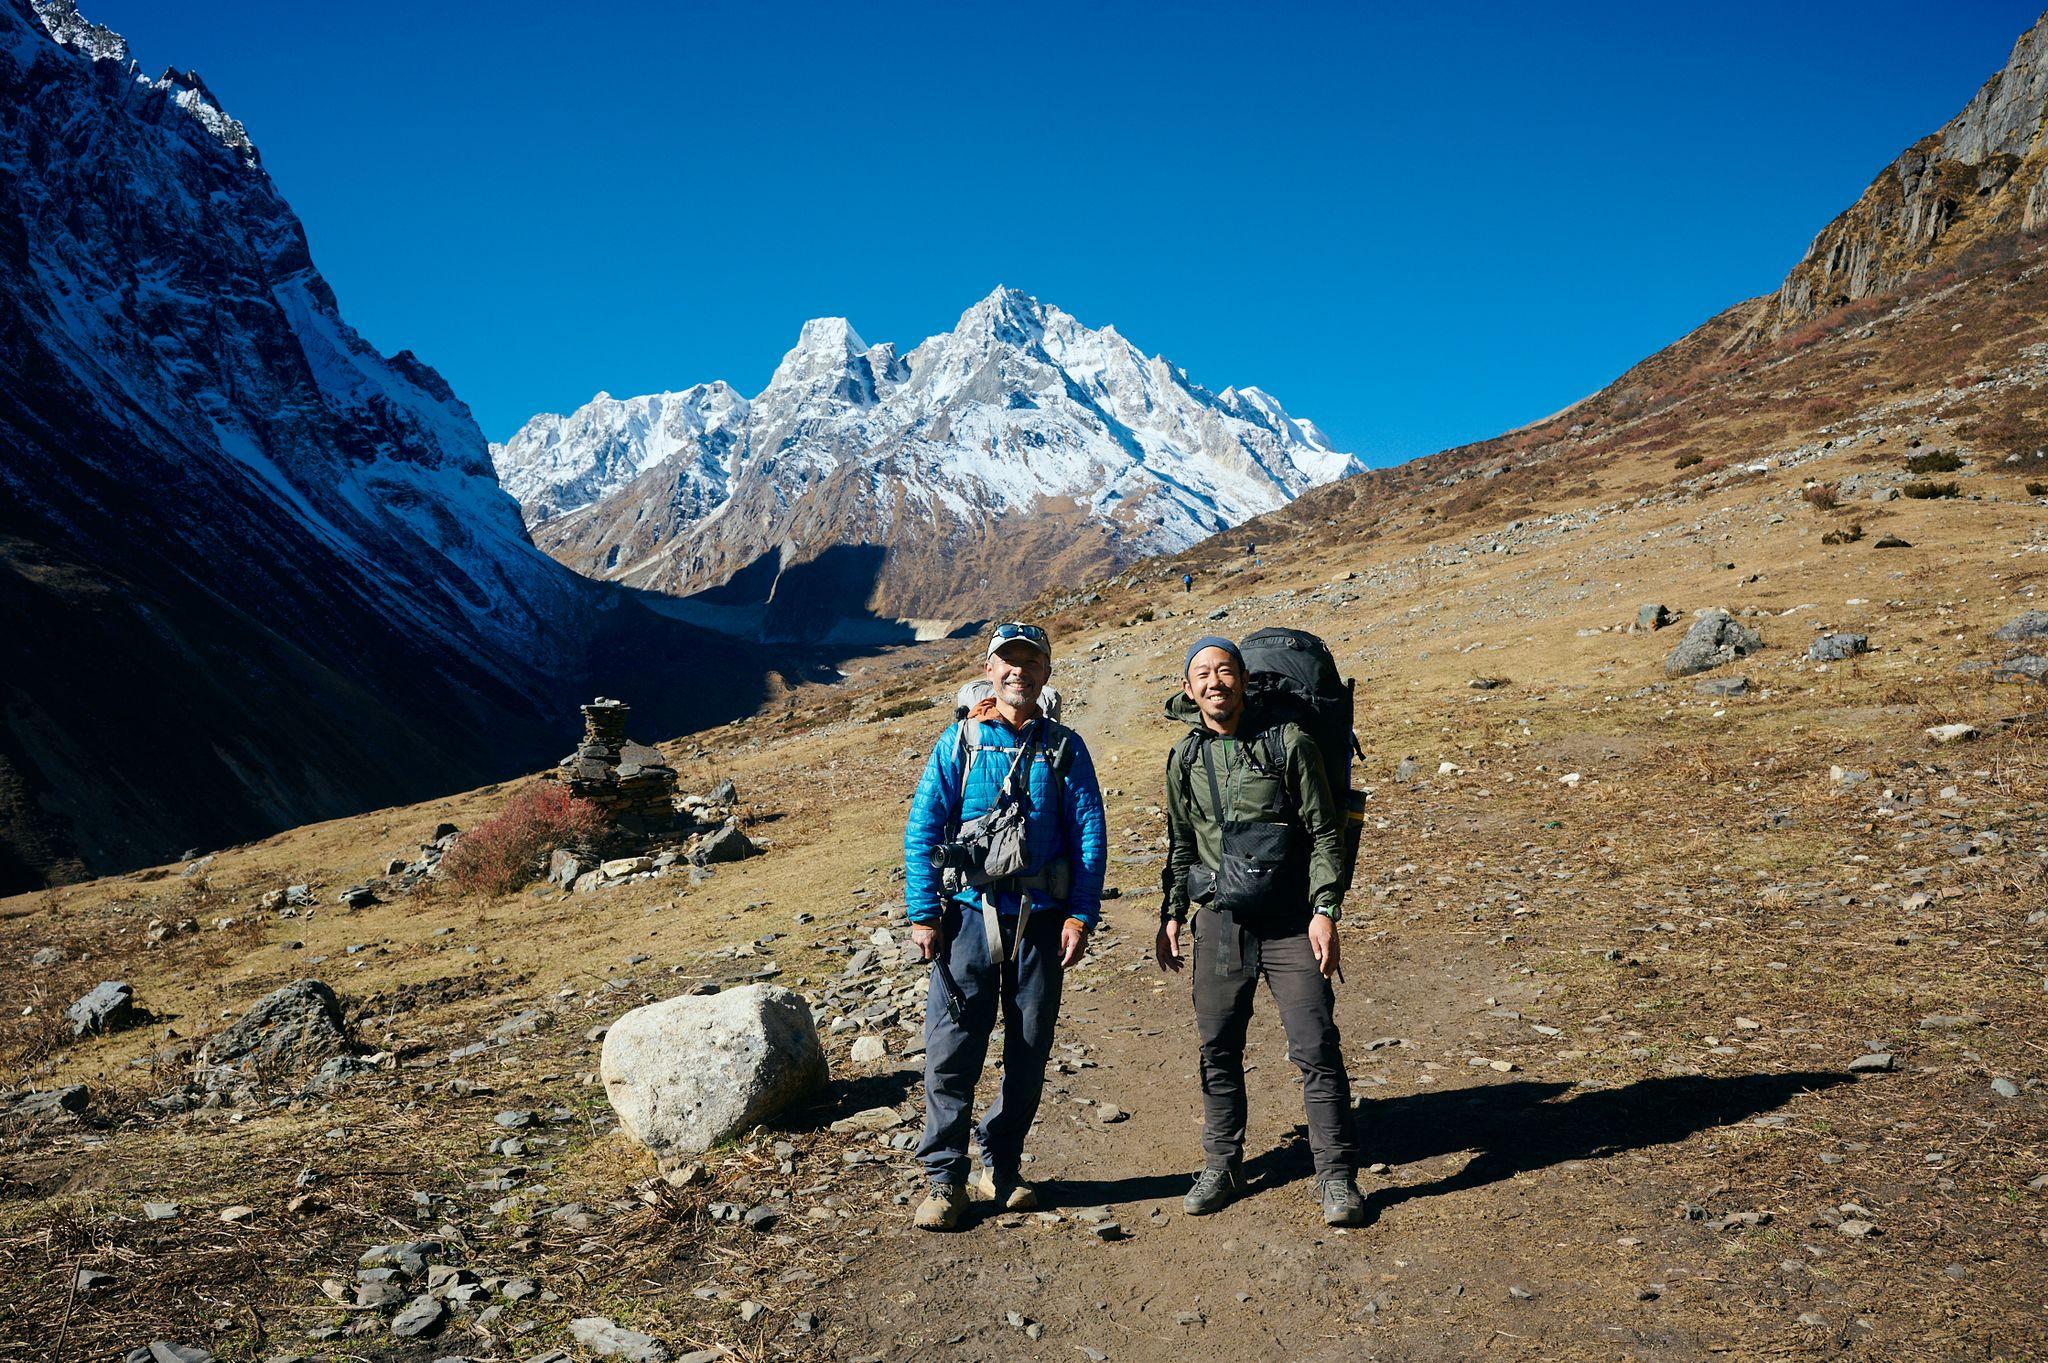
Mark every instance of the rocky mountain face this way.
pixel 1980 179
pixel 866 490
pixel 255 573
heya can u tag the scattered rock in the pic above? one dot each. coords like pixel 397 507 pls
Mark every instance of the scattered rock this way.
pixel 2024 628
pixel 422 1318
pixel 160 1211
pixel 107 1007
pixel 868 1119
pixel 1836 648
pixel 686 1073
pixel 1713 640
pixel 1728 687
pixel 1891 542
pixel 2005 1088
pixel 288 1029
pixel 607 1340
pixel 1878 1062
pixel 164 1351
pixel 51 1102
pixel 1948 734
pixel 93 1280
pixel 2022 667
pixel 727 844
pixel 1652 617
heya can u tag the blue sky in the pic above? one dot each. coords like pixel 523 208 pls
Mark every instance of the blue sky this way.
pixel 1417 228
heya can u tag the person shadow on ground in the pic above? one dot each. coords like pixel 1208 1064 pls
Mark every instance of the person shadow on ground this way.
pixel 1513 1128
pixel 1516 1128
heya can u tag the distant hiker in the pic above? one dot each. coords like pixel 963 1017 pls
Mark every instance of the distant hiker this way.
pixel 1187 582
pixel 1256 844
pixel 1003 856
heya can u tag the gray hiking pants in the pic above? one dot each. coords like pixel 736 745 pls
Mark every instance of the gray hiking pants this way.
pixel 1225 981
pixel 1026 994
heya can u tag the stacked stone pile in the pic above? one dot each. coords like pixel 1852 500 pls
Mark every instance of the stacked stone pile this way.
pixel 630 781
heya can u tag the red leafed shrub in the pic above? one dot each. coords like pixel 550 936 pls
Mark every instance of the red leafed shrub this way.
pixel 503 852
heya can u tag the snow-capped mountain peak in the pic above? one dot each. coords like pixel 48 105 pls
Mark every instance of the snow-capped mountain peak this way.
pixel 1019 412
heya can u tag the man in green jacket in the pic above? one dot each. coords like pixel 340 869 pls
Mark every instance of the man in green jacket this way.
pixel 1256 844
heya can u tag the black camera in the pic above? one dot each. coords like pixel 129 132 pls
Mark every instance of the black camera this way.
pixel 956 856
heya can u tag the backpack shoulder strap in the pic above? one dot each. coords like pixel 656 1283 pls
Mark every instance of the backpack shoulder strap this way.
pixel 1272 746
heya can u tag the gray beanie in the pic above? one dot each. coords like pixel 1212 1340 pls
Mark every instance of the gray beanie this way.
pixel 1210 641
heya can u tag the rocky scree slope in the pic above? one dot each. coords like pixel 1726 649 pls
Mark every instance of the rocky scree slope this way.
pixel 1021 447
pixel 256 573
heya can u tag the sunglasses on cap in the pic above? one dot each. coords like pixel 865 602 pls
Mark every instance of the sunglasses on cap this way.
pixel 1015 630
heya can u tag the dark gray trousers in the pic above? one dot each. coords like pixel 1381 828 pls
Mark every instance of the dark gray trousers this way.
pixel 1029 1004
pixel 1224 984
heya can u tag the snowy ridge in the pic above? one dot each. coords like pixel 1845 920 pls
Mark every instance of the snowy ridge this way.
pixel 1019 406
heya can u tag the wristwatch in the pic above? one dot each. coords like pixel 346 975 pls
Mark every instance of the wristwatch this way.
pixel 1333 912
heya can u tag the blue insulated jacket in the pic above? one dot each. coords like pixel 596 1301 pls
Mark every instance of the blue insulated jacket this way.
pixel 1072 827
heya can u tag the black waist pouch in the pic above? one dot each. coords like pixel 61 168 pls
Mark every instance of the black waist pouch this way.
pixel 1258 872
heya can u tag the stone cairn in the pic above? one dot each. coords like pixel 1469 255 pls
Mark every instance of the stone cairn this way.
pixel 631 782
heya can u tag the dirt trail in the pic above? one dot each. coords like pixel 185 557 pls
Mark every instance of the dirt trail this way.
pixel 1513 1183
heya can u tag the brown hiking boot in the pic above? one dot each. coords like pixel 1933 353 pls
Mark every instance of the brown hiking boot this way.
pixel 1007 1193
pixel 941 1207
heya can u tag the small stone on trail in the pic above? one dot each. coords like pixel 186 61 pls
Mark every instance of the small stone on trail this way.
pixel 1521 1294
pixel 1857 1230
pixel 607 1340
pixel 1949 734
pixel 163 1351
pixel 1878 1062
pixel 2005 1088
pixel 160 1211
pixel 868 1049
pixel 423 1317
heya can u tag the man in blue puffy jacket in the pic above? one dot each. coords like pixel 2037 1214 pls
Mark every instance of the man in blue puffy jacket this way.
pixel 1008 800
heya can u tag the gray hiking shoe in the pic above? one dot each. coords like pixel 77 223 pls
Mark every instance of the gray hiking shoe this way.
pixel 1342 1204
pixel 1214 1190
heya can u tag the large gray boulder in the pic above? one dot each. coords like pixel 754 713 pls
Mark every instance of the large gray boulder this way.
pixel 2024 628
pixel 727 844
pixel 287 1030
pixel 686 1073
pixel 1714 639
pixel 108 1006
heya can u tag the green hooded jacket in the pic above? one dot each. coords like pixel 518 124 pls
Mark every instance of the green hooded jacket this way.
pixel 1194 829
